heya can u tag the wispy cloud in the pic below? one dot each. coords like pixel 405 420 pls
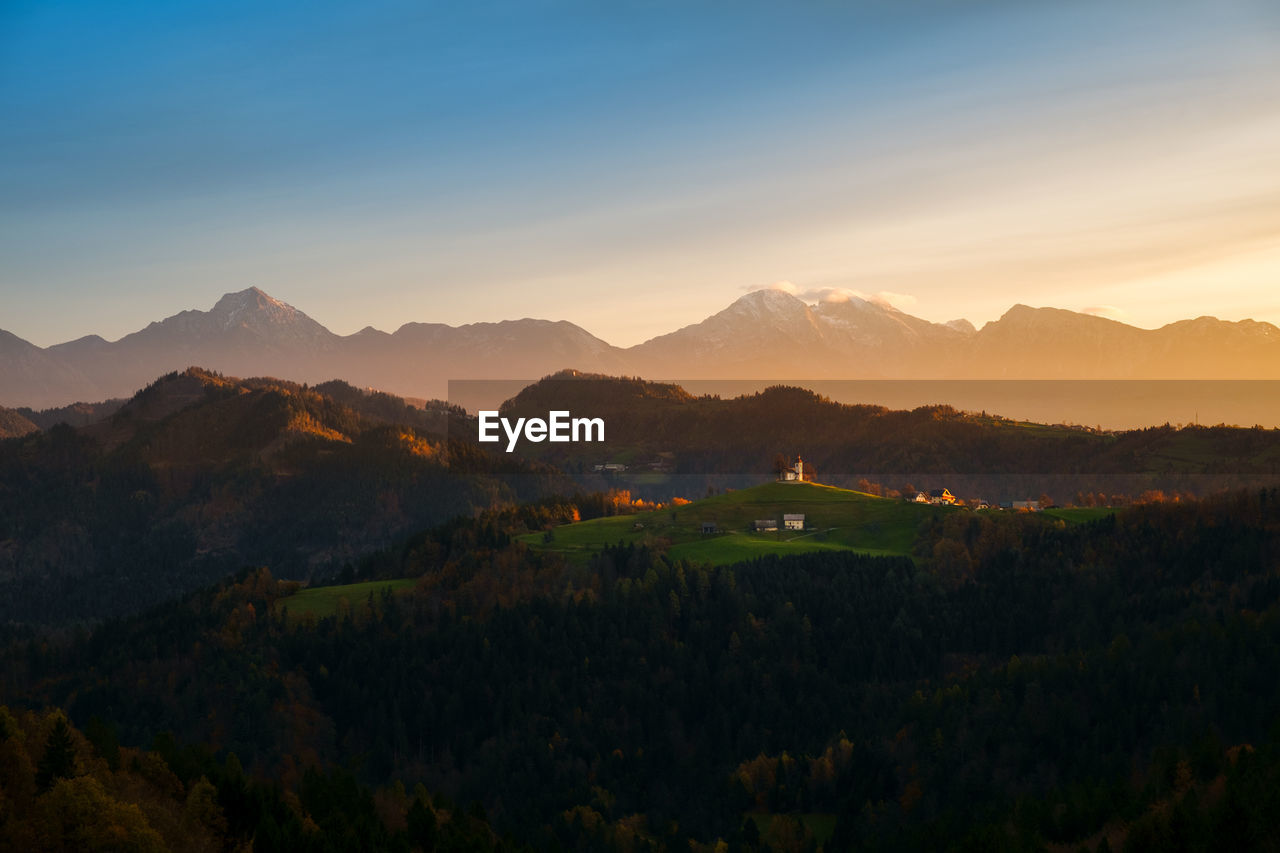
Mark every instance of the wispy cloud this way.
pixel 883 298
pixel 1110 312
pixel 901 301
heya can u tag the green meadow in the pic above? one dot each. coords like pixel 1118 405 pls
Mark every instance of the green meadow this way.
pixel 322 601
pixel 835 519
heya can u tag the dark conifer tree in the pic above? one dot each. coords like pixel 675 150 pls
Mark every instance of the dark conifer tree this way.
pixel 59 759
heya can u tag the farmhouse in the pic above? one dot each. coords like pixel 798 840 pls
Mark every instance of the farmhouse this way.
pixel 941 496
pixel 765 524
pixel 793 521
pixel 710 527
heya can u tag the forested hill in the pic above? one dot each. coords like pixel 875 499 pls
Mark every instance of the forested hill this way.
pixel 199 475
pixel 14 423
pixel 653 426
pixel 1111 681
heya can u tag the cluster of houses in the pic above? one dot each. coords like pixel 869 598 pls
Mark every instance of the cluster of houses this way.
pixel 790 521
pixel 662 463
pixel 944 497
pixel 796 521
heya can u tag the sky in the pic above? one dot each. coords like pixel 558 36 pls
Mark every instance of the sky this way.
pixel 634 167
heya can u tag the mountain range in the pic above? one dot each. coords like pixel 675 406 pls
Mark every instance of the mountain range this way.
pixel 766 334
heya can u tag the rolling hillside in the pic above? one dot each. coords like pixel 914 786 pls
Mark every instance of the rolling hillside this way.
pixel 200 475
pixel 835 519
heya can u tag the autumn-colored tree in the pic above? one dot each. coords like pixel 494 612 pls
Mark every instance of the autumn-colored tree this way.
pixel 202 818
pixel 779 465
pixel 952 562
pixel 79 814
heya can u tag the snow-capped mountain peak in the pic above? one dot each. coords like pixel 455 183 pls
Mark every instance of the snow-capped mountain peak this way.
pixel 255 310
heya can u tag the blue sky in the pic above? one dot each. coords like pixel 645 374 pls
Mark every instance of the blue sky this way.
pixel 633 167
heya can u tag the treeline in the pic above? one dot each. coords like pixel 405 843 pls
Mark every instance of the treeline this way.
pixel 75 414
pixel 734 441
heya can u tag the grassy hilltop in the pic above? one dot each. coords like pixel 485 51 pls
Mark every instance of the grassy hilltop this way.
pixel 836 519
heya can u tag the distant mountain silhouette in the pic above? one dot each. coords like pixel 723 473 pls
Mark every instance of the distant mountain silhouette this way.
pixel 767 334
pixel 1049 343
pixel 771 334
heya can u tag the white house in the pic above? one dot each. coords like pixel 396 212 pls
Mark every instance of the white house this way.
pixel 793 521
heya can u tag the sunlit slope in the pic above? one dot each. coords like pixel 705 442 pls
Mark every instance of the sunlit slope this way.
pixel 835 519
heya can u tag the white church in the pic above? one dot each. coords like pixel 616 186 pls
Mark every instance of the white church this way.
pixel 794 474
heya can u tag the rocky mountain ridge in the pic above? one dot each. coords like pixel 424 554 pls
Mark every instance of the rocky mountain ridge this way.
pixel 766 334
